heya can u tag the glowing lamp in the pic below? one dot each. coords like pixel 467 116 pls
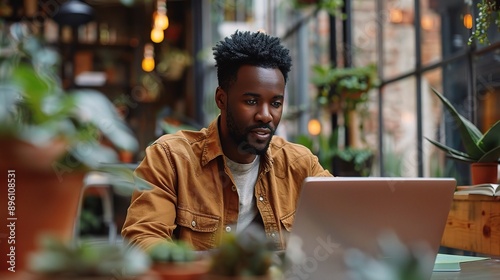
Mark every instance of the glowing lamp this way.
pixel 157 35
pixel 161 20
pixel 148 64
pixel 314 127
pixel 468 21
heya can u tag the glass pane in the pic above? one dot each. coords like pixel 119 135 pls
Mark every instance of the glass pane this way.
pixel 400 129
pixel 487 89
pixel 455 35
pixel 455 89
pixel 434 159
pixel 431 32
pixel 399 38
pixel 364 32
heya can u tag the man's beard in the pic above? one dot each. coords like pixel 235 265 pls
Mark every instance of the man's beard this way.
pixel 241 137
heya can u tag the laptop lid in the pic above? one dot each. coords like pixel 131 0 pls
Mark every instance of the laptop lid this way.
pixel 337 216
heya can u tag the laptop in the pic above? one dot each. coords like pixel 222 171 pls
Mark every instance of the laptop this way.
pixel 347 227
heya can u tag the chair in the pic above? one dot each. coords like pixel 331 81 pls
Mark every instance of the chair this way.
pixel 96 183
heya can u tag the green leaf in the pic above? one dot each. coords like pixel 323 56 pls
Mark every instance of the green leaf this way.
pixel 491 138
pixel 491 156
pixel 123 178
pixel 98 110
pixel 469 133
pixel 456 154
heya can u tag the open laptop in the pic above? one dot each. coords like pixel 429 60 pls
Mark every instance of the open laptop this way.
pixel 350 225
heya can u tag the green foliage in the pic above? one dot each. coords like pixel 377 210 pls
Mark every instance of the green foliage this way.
pixel 35 108
pixel 56 258
pixel 328 148
pixel 346 85
pixel 172 252
pixel 333 7
pixel 487 14
pixel 399 262
pixel 478 147
pixel 249 253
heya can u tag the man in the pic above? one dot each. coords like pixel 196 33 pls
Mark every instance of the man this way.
pixel 233 173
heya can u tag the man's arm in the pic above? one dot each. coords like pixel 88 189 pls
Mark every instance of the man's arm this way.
pixel 152 213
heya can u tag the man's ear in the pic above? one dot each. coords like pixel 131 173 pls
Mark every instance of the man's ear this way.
pixel 220 98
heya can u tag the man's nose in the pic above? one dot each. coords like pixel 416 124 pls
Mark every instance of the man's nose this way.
pixel 264 114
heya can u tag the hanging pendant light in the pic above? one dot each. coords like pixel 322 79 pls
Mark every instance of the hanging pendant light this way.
pixel 74 13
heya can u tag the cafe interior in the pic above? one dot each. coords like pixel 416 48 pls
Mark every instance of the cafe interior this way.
pixel 365 94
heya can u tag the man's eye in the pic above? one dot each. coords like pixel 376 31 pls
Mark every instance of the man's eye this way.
pixel 276 104
pixel 251 102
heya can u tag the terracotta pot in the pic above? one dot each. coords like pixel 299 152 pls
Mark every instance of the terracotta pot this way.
pixel 222 277
pixel 34 200
pixel 484 172
pixel 32 276
pixel 195 270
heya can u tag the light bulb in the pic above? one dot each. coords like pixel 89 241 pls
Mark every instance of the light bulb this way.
pixel 148 64
pixel 396 15
pixel 314 127
pixel 161 20
pixel 157 35
pixel 468 21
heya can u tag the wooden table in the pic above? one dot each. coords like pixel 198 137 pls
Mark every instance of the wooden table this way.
pixel 474 225
pixel 477 270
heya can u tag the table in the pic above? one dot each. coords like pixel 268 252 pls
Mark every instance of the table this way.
pixel 477 270
pixel 474 224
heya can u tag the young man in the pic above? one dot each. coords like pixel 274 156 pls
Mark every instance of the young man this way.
pixel 234 172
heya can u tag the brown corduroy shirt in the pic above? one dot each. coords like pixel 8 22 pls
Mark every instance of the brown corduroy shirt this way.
pixel 193 196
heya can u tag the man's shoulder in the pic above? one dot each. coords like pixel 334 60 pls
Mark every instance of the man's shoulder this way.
pixel 182 138
pixel 281 145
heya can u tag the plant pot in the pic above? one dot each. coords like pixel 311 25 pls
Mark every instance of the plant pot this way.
pixel 484 173
pixel 33 276
pixel 41 201
pixel 223 277
pixel 195 270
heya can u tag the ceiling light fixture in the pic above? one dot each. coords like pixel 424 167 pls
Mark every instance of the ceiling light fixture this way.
pixel 74 13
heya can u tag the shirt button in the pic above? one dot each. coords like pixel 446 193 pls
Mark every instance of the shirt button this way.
pixel 273 235
pixel 261 198
pixel 233 188
pixel 193 223
pixel 228 229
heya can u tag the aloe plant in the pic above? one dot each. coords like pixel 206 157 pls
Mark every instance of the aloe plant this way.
pixel 478 147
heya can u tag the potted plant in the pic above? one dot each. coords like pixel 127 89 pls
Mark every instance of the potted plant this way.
pixel 480 150
pixel 57 260
pixel 51 138
pixel 244 256
pixel 177 260
pixel 342 162
pixel 344 91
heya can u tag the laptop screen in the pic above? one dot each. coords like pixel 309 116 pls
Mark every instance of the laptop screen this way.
pixel 341 217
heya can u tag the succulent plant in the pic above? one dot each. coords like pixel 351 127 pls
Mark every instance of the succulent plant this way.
pixel 172 252
pixel 249 253
pixel 58 259
pixel 478 147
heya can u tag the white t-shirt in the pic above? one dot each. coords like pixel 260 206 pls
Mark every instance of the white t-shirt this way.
pixel 245 177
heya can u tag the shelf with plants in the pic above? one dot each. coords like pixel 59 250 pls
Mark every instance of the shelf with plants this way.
pixel 344 91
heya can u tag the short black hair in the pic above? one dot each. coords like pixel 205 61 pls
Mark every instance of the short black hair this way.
pixel 249 48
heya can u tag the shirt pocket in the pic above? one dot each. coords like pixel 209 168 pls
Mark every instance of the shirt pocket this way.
pixel 197 229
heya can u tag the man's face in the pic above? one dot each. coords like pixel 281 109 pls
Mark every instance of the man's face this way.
pixel 254 105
